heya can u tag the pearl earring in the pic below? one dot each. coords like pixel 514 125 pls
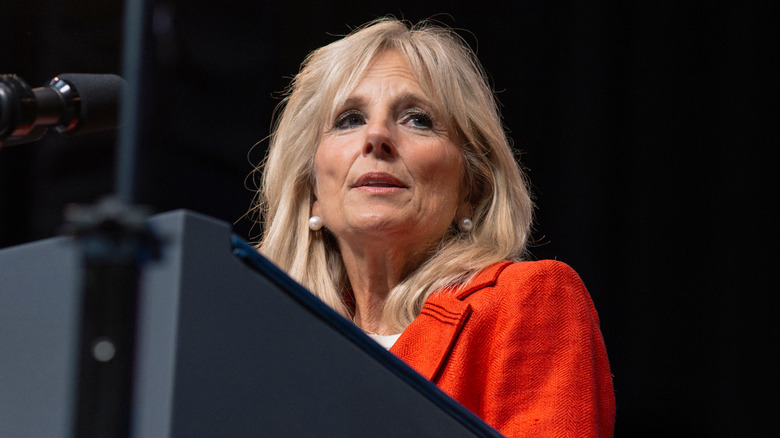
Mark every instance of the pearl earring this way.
pixel 465 224
pixel 315 223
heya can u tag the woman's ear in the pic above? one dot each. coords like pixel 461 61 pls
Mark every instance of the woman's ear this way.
pixel 463 217
pixel 464 210
pixel 315 208
pixel 315 205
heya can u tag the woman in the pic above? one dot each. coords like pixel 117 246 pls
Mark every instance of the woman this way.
pixel 391 192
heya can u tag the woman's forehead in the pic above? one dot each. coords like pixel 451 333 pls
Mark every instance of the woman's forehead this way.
pixel 387 63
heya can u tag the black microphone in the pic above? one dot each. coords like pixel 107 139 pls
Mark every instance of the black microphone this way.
pixel 72 103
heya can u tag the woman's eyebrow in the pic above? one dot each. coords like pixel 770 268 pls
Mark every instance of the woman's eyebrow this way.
pixel 352 102
pixel 405 98
pixel 412 97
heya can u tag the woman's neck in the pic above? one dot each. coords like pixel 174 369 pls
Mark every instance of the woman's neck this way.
pixel 373 274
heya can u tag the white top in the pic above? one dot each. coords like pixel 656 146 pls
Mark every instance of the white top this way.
pixel 386 341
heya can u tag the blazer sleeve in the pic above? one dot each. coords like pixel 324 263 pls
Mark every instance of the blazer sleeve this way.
pixel 547 369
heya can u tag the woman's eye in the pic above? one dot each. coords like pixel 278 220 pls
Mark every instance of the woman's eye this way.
pixel 419 120
pixel 349 119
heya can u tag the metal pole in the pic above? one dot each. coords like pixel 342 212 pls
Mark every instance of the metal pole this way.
pixel 137 25
pixel 115 243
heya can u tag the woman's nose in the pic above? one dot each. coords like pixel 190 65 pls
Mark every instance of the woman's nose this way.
pixel 379 138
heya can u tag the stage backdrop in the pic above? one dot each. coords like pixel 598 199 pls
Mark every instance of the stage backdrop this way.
pixel 640 124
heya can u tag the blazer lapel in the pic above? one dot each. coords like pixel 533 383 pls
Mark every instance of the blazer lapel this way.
pixel 426 344
pixel 485 278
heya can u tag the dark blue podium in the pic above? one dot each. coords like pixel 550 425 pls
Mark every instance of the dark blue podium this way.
pixel 226 346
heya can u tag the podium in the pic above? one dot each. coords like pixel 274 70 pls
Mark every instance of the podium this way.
pixel 226 346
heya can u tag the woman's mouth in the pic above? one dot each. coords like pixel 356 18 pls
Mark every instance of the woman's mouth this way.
pixel 378 180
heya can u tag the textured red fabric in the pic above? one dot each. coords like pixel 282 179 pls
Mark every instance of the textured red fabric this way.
pixel 521 348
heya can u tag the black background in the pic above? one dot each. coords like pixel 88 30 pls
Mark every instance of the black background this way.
pixel 645 128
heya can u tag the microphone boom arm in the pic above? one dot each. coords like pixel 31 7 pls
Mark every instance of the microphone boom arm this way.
pixel 71 103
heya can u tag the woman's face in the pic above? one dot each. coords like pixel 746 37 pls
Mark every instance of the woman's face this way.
pixel 386 166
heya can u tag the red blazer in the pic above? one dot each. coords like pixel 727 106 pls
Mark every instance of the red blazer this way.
pixel 520 347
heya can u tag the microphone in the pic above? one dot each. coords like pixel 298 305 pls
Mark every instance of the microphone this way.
pixel 72 103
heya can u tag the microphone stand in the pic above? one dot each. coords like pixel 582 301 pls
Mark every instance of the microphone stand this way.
pixel 115 243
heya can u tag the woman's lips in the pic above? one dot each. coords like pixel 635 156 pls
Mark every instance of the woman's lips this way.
pixel 378 180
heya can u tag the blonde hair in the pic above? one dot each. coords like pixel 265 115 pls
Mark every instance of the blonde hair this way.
pixel 450 74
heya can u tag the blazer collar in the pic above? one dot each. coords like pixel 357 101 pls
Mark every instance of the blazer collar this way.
pixel 427 342
pixel 485 278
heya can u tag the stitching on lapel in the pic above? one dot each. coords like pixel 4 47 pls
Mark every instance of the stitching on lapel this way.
pixel 455 320
pixel 441 313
